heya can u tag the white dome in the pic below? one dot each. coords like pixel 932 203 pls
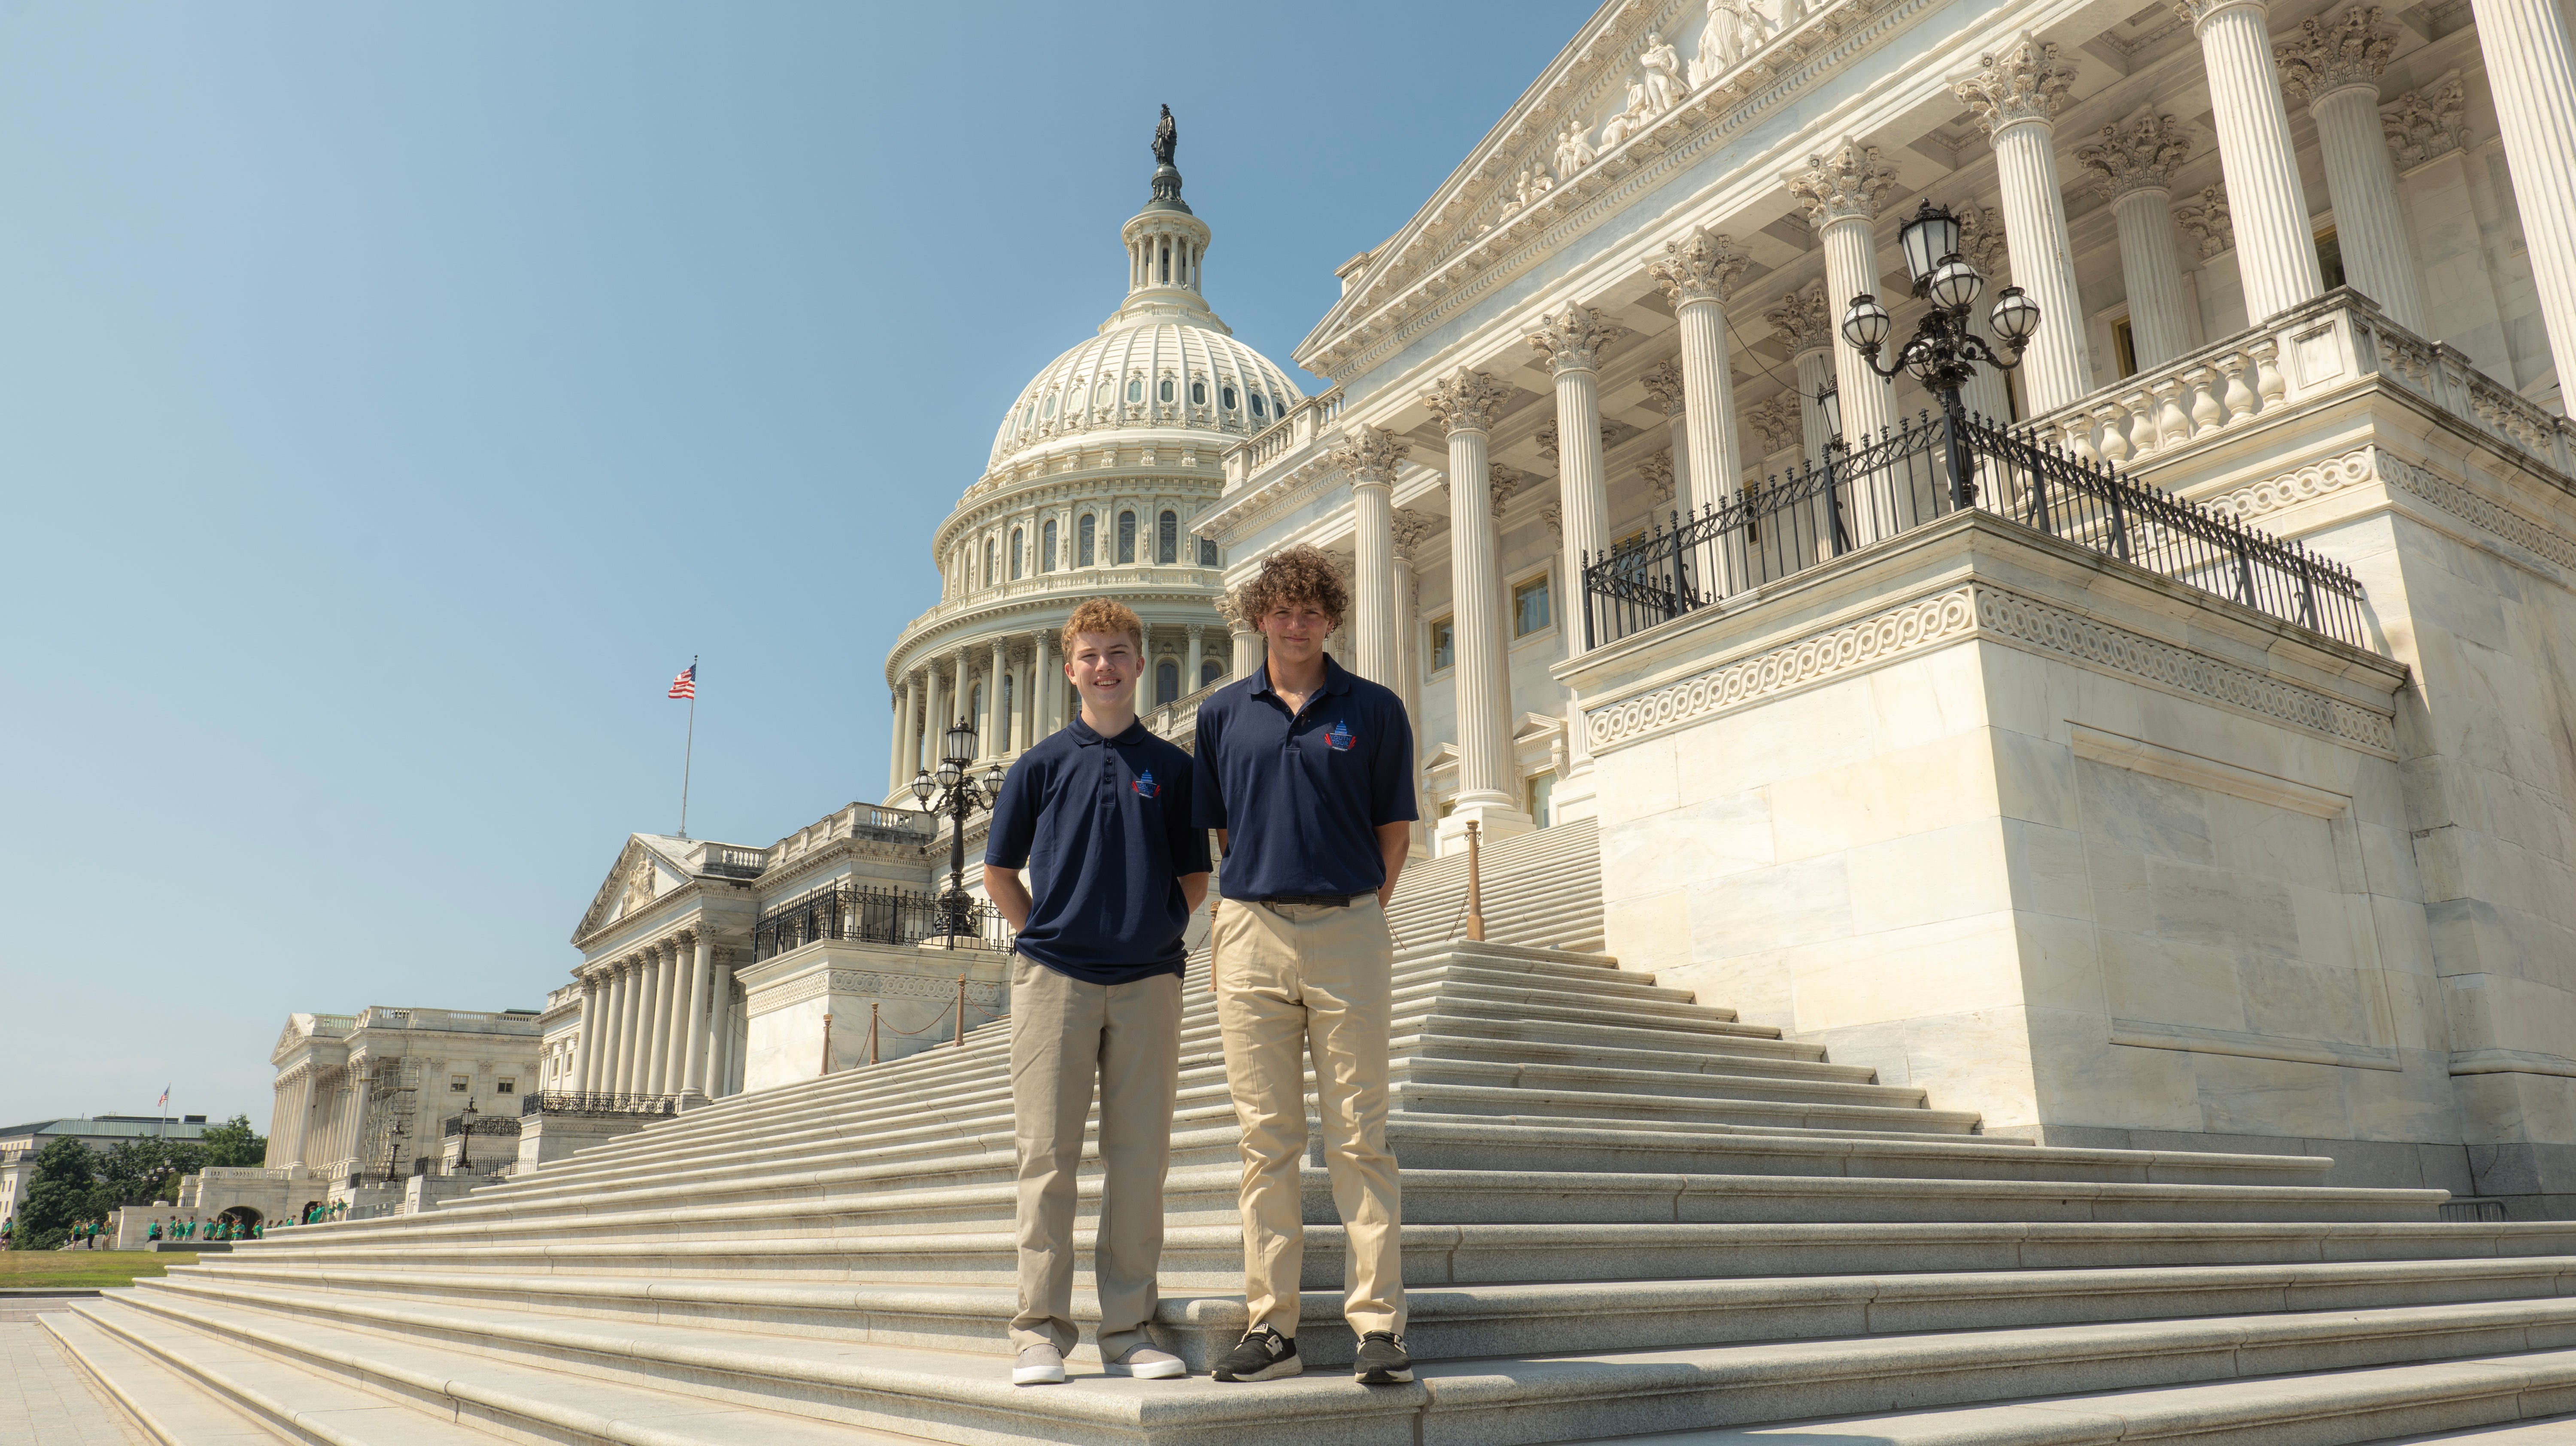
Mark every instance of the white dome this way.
pixel 1167 375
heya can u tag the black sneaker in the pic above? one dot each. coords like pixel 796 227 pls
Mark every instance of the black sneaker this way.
pixel 1381 1361
pixel 1262 1355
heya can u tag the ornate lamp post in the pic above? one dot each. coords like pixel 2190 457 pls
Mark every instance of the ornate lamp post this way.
pixel 955 793
pixel 465 1139
pixel 1943 352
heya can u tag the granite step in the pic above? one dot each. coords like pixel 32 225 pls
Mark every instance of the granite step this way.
pixel 167 1407
pixel 1447 1322
pixel 1515 1401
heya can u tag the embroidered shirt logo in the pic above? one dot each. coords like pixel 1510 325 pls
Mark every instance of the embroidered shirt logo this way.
pixel 1340 736
pixel 1146 787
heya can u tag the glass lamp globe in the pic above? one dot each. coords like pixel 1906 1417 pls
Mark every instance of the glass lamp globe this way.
pixel 993 781
pixel 1954 284
pixel 2015 316
pixel 1866 324
pixel 960 743
pixel 950 770
pixel 1931 236
pixel 1829 402
pixel 922 787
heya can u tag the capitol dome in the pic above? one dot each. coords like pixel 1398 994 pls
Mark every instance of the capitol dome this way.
pixel 1144 372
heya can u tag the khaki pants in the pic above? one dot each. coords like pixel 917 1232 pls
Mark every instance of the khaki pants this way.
pixel 1294 978
pixel 1063 1031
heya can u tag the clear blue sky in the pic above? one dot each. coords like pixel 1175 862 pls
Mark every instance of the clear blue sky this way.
pixel 393 398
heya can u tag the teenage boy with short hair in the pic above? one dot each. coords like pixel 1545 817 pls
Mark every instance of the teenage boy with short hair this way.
pixel 1100 814
pixel 1307 772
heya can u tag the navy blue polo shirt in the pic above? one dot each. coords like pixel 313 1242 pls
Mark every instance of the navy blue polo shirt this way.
pixel 1103 827
pixel 1301 798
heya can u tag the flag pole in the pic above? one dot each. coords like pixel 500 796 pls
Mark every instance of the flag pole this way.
pixel 688 750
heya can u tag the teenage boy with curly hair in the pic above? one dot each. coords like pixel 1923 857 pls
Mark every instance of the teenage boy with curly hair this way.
pixel 1307 774
pixel 1100 814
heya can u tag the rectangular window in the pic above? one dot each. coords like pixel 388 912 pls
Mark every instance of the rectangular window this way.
pixel 1167 539
pixel 1126 537
pixel 1529 607
pixel 2330 258
pixel 458 1084
pixel 1538 793
pixel 1085 535
pixel 2124 347
pixel 1444 644
pixel 506 1086
pixel 1046 547
pixel 1207 554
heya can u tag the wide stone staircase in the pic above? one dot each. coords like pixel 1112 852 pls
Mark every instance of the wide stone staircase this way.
pixel 1627 1215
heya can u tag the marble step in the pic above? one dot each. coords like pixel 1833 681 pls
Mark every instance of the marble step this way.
pixel 1505 1401
pixel 405 1394
pixel 1209 1257
pixel 2454 1398
pixel 1447 1322
pixel 167 1407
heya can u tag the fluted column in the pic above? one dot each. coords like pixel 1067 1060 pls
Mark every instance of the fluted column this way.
pixel 1842 190
pixel 654 1037
pixel 621 1023
pixel 1051 672
pixel 1571 341
pixel 1804 321
pixel 1412 543
pixel 2276 256
pixel 1665 389
pixel 693 1058
pixel 902 704
pixel 1698 273
pixel 631 1046
pixel 963 706
pixel 1369 457
pixel 578 1079
pixel 935 711
pixel 2526 46
pixel 675 1004
pixel 2334 66
pixel 1247 645
pixel 997 722
pixel 720 1033
pixel 1194 658
pixel 2016 94
pixel 2133 165
pixel 1467 404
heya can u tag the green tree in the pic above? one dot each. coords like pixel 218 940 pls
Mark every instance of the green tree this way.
pixel 233 1143
pixel 64 1189
pixel 141 1171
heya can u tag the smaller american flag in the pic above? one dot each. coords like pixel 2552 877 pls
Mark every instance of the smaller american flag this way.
pixel 165 1094
pixel 685 685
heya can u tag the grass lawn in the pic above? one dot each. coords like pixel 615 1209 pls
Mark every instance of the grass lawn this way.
pixel 83 1269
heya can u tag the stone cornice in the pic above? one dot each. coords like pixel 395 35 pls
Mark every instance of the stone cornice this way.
pixel 999 497
pixel 930 636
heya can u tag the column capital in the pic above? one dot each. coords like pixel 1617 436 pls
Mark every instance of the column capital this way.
pixel 1702 266
pixel 2206 221
pixel 1658 472
pixel 1553 514
pixel 2426 123
pixel 2139 155
pixel 1780 421
pixel 1547 437
pixel 1500 483
pixel 1466 401
pixel 2332 55
pixel 1804 321
pixel 1412 529
pixel 2196 13
pixel 1664 386
pixel 1848 183
pixel 1983 240
pixel 2025 82
pixel 1572 339
pixel 1368 455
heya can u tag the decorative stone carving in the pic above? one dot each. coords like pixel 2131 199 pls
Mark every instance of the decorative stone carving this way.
pixel 1573 153
pixel 1804 321
pixel 1663 73
pixel 1500 483
pixel 1664 386
pixel 1658 472
pixel 1572 339
pixel 2138 156
pixel 2193 12
pixel 1849 182
pixel 2022 83
pixel 2206 222
pixel 1554 516
pixel 2426 124
pixel 1982 241
pixel 1778 422
pixel 1546 436
pixel 1411 530
pixel 1368 454
pixel 1702 266
pixel 1466 401
pixel 1630 120
pixel 1736 28
pixel 639 887
pixel 2324 57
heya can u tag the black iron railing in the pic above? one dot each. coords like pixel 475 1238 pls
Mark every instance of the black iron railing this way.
pixel 454 1125
pixel 598 1104
pixel 1926 469
pixel 877 916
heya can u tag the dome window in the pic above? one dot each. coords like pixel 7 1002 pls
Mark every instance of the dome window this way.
pixel 1228 396
pixel 1198 394
pixel 1209 671
pixel 1048 411
pixel 1167 537
pixel 1167 681
pixel 1135 389
pixel 1208 554
pixel 1256 405
pixel 1126 537
pixel 1086 535
pixel 1167 389
pixel 1101 394
pixel 988 562
pixel 1015 554
pixel 1046 546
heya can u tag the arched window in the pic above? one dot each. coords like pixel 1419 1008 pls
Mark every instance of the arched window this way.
pixel 1126 537
pixel 1209 671
pixel 1135 389
pixel 1046 546
pixel 1208 554
pixel 988 562
pixel 1167 264
pixel 1015 554
pixel 1227 396
pixel 1198 394
pixel 1167 538
pixel 1167 681
pixel 975 701
pixel 1256 405
pixel 1166 392
pixel 1085 533
pixel 1048 411
pixel 1101 394
pixel 1002 720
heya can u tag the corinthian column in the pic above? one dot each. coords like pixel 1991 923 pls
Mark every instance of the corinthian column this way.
pixel 1665 389
pixel 621 1022
pixel 2016 96
pixel 693 1031
pixel 895 776
pixel 1466 404
pixel 1698 273
pixel 657 1020
pixel 1842 190
pixel 1805 323
pixel 2526 47
pixel 1247 643
pixel 581 1046
pixel 2133 165
pixel 1369 457
pixel 1572 343
pixel 2275 254
pixel 2335 68
pixel 934 719
pixel 997 736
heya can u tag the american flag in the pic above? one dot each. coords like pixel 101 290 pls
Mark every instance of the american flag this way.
pixel 685 685
pixel 165 1094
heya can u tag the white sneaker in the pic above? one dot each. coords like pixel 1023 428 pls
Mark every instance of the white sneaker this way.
pixel 1148 1364
pixel 1038 1366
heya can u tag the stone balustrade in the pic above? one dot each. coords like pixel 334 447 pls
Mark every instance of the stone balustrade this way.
pixel 1084 580
pixel 1302 427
